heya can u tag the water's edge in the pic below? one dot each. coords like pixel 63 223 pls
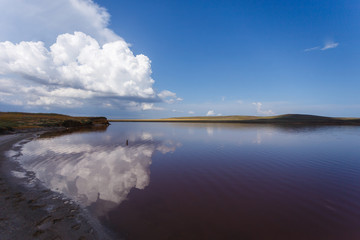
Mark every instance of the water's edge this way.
pixel 30 210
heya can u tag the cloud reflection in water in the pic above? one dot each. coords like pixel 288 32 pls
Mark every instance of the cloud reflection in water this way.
pixel 99 176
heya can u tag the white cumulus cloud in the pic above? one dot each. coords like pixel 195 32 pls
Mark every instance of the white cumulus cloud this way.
pixel 75 67
pixel 91 65
pixel 43 20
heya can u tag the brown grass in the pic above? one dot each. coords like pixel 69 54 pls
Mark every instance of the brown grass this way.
pixel 20 120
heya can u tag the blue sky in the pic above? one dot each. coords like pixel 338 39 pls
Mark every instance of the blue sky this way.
pixel 207 58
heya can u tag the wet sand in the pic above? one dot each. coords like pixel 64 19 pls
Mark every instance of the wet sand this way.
pixel 28 210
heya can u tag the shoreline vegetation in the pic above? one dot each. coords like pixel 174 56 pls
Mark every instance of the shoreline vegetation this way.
pixel 287 119
pixel 13 122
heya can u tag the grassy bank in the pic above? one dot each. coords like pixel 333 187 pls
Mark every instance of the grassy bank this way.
pixel 288 119
pixel 11 121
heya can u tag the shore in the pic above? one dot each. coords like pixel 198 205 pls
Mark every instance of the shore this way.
pixel 28 210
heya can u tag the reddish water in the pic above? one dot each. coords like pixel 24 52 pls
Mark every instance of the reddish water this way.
pixel 212 181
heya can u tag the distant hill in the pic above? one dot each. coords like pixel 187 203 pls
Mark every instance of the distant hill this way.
pixel 294 119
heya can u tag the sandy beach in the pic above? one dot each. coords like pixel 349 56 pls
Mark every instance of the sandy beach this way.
pixel 28 210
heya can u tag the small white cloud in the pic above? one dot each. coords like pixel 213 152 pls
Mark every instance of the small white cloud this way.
pixel 107 105
pixel 191 112
pixel 260 111
pixel 312 49
pixel 150 106
pixel 210 113
pixel 239 101
pixel 327 45
pixel 169 97
pixel 166 94
pixel 147 106
pixel 223 98
pixel 330 45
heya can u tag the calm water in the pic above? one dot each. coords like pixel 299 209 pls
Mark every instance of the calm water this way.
pixel 209 181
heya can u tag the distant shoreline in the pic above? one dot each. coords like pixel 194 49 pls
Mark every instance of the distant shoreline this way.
pixel 288 119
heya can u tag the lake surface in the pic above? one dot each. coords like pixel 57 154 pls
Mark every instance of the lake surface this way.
pixel 209 181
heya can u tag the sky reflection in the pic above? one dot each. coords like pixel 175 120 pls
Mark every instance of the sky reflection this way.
pixel 99 169
pixel 267 179
pixel 98 176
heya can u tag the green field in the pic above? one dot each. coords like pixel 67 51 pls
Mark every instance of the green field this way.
pixel 296 119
